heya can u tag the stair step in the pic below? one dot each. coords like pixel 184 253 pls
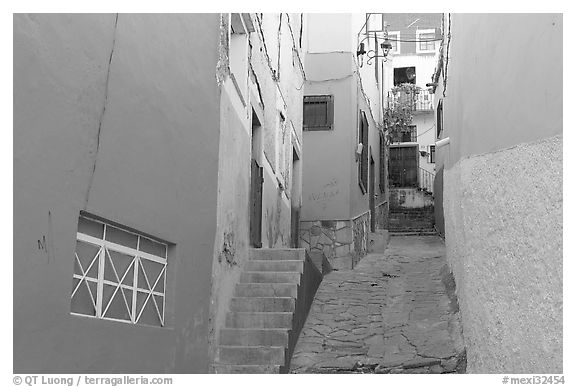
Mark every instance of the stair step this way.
pixel 278 266
pixel 246 369
pixel 269 277
pixel 251 355
pixel 262 304
pixel 254 337
pixel 266 290
pixel 277 254
pixel 259 320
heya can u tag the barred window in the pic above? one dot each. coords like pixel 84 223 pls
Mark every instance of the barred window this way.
pixel 119 275
pixel 426 41
pixel 432 152
pixel 318 112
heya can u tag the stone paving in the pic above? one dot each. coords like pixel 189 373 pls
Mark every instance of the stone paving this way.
pixel 396 312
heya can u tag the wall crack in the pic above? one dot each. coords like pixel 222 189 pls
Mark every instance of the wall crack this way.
pixel 103 112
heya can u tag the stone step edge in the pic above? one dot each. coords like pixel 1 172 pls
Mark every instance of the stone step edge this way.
pixel 265 297
pixel 271 261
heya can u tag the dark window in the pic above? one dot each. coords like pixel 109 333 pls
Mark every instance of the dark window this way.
pixel 409 135
pixel 318 112
pixel 432 153
pixel 363 165
pixel 439 118
pixel 404 75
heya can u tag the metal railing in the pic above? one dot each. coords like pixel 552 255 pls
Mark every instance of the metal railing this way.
pixel 420 100
pixel 426 180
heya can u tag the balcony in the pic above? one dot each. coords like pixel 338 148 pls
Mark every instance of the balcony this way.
pixel 418 100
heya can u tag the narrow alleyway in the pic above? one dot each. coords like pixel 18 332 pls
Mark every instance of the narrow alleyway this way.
pixel 396 312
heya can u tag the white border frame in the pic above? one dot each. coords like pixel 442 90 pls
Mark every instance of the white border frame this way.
pixel 397 38
pixel 420 32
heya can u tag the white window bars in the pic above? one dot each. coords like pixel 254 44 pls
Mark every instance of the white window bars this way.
pixel 118 274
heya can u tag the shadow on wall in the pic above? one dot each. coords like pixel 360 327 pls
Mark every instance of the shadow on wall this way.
pixel 438 201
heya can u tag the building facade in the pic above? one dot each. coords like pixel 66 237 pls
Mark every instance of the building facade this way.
pixel 150 153
pixel 411 61
pixel 499 185
pixel 344 184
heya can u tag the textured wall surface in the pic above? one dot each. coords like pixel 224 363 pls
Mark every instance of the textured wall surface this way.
pixel 119 118
pixel 503 215
pixel 271 98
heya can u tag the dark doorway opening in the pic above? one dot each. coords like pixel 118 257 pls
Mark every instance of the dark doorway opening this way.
pixel 403 166
pixel 256 181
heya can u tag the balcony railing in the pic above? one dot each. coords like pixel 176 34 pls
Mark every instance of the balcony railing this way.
pixel 420 100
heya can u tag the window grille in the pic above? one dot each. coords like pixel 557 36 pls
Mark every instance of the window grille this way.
pixel 432 154
pixel 118 274
pixel 425 42
pixel 318 112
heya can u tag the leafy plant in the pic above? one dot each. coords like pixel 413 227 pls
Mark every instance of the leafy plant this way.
pixel 398 114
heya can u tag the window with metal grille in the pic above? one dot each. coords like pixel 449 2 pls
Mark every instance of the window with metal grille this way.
pixel 318 112
pixel 119 275
pixel 394 40
pixel 432 158
pixel 363 165
pixel 426 41
pixel 408 134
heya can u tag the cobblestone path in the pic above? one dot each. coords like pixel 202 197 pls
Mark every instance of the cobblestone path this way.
pixel 396 312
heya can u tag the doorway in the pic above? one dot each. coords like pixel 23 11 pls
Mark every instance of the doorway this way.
pixel 256 182
pixel 403 166
pixel 295 200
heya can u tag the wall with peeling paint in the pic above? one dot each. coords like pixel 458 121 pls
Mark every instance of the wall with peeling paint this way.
pixel 117 117
pixel 273 67
pixel 502 187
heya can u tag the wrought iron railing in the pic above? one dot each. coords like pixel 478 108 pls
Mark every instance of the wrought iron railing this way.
pixel 419 100
pixel 426 180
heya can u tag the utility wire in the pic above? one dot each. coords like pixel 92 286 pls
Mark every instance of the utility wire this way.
pixel 427 130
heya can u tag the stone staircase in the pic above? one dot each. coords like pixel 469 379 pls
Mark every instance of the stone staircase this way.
pixel 411 221
pixel 269 308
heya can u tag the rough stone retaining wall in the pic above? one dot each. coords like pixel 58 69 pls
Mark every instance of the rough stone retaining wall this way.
pixel 343 242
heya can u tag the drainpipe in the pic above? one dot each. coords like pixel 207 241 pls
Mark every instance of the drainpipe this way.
pixel 441 143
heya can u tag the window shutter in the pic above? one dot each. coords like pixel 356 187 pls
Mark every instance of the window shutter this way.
pixel 330 112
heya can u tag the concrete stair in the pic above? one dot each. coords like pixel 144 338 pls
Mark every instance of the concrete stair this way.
pixel 269 307
pixel 411 221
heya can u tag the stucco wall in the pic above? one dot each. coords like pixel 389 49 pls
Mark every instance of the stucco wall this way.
pixel 118 118
pixel 273 74
pixel 327 154
pixel 502 187
pixel 331 189
pixel 426 135
pixel 504 244
pixel 498 94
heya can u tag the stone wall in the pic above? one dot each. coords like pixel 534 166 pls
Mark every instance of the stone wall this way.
pixel 343 242
pixel 361 229
pixel 332 237
pixel 382 216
